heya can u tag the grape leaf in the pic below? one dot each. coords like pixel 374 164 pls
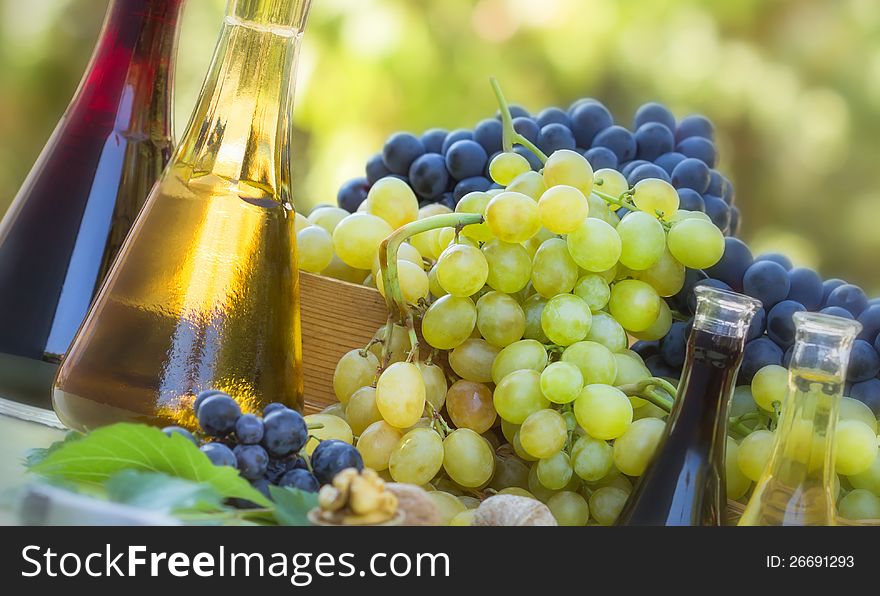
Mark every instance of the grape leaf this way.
pixel 162 492
pixel 293 505
pixel 34 456
pixel 97 456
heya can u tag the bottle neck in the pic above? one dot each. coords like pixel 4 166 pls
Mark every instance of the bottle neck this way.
pixel 239 134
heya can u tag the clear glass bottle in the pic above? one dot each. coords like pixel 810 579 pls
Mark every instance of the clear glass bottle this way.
pixel 685 483
pixel 73 210
pixel 204 293
pixel 797 485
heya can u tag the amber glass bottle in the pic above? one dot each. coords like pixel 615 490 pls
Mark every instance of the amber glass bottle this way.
pixel 204 292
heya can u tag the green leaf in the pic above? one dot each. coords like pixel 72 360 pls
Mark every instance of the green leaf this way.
pixel 162 492
pixel 34 456
pixel 97 456
pixel 293 505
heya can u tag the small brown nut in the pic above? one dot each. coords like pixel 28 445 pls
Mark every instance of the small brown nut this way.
pixel 343 479
pixel 418 508
pixel 330 498
pixel 511 510
pixel 364 496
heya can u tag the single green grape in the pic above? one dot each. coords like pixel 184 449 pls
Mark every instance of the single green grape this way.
pixel 566 319
pixel 855 447
pixel 394 201
pixel 569 509
pixel 327 217
pixel 595 245
pixel 475 202
pixel 696 243
pixel 400 394
pixel 331 427
pixel 533 308
pixel 523 354
pixel 355 369
pixel 406 252
pixel 510 266
pixel 462 270
pixel 417 457
pixel 754 453
pixel 473 359
pixel 656 197
pixel 555 471
pixel 613 183
pixel 594 290
pixel 737 482
pixel 634 304
pixel 413 281
pixel 543 433
pixel 660 327
pixel 400 343
pixel 447 505
pixel 518 395
pixel 853 409
pixel 563 209
pixel 859 504
pixel 357 238
pixel 361 410
pixel 468 459
pixel 595 362
pixel 314 249
pixel 529 183
pixel 506 166
pixel 769 386
pixel 607 331
pixel 642 239
pixel 591 458
pixel 635 448
pixel 500 319
pixel 435 384
pixel 561 382
pixel 513 216
pixel 570 168
pixel 666 275
pixel 868 479
pixel 603 411
pixel 448 322
pixel 553 270
pixel 376 444
pixel 606 503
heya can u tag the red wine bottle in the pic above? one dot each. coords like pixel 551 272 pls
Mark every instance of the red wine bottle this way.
pixel 73 211
pixel 685 483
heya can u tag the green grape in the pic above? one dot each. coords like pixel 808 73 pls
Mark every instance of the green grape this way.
pixel 400 394
pixel 510 266
pixel 595 245
pixel 631 369
pixel 332 427
pixel 327 217
pixel 534 243
pixel 505 167
pixel 859 505
pixel 513 216
pixel 635 448
pixel 868 479
pixel 462 270
pixel 655 197
pixel 595 362
pixel 647 410
pixel 555 471
pixel 417 457
pixel 300 222
pixel 696 243
pixel 634 304
pixel 609 275
pixel 563 209
pixel 853 409
pixel 769 386
pixel 435 384
pixel 517 492
pixel 400 344
pixel 612 182
pixel 355 369
pixel 603 411
pixel 433 285
pixel 666 275
pixel 426 243
pixel 469 405
pixel 447 505
pixel 394 201
pixel 606 503
pixel 357 238
pixel 533 308
pixel 449 321
pixel 754 453
pixel 607 331
pixel 468 459
pixel 518 395
pixel 642 240
pixel 553 270
pixel 682 214
pixel 413 281
pixel 529 183
pixel 523 354
pixel 361 410
pixel 509 472
pixel 598 209
pixel 407 252
pixel 593 290
pixel 518 449
pixel 570 168
pixel 561 382
pixel 566 319
pixel 660 327
pixel 591 458
pixel 475 202
pixel 376 444
pixel 432 209
pixel 742 402
pixel 569 509
pixel 856 447
pixel 337 269
pixel 465 518
pixel 335 409
pixel 508 429
pixel 737 482
pixel 500 319
pixel 314 249
pixel 543 433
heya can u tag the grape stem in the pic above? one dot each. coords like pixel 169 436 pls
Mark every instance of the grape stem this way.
pixel 437 422
pixel 315 426
pixel 509 136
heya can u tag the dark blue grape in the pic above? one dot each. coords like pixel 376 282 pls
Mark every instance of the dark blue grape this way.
pixel 870 320
pixel 733 264
pixel 659 368
pixel 428 175
pixel 179 430
pixel 778 258
pixel 515 111
pixel 646 171
pixel 836 311
pixel 716 183
pixel 285 433
pixel 691 173
pixel 553 116
pixel 653 139
pixel 850 297
pixel 272 407
pixel 877 344
pixel 864 362
pixel 806 287
pixel 448 199
pixel 376 169
pixel 695 126
pixel 711 283
pixel 868 392
pixel 466 159
pixel 758 325
pixel 400 150
pixel 828 286
pixel 873 301
pixel 252 461
pixel 679 302
pixel 469 185
pixel 249 429
pixel 217 415
pixel 718 212
pixel 645 348
pixel 554 137
pixel 528 128
pixel 758 353
pixel 352 194
pixel 735 221
pixel 530 157
pixel 780 324
pixel 219 454
pixel 433 140
pixel 699 148
pixel 767 281
pixel 601 157
pixel 668 161
pixel 588 119
pixel 619 140
pixel 654 112
pixel 461 134
pixel 690 200
pixel 262 485
pixel 488 134
pixel 673 346
pixel 202 396
pixel 627 168
pixel 300 479
pixel 331 457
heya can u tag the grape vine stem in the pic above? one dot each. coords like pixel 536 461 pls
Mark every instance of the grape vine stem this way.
pixel 509 136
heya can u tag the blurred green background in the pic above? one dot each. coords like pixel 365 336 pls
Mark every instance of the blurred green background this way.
pixel 793 87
